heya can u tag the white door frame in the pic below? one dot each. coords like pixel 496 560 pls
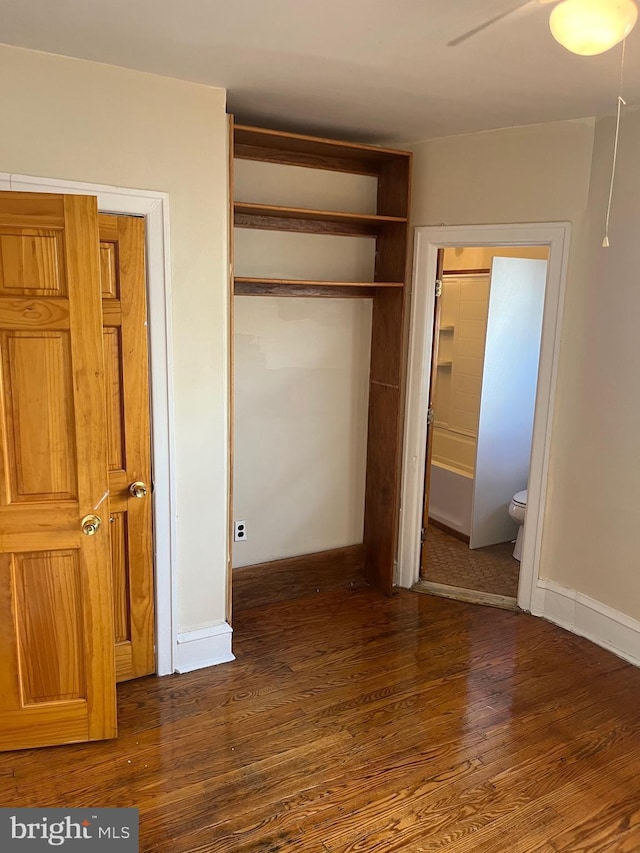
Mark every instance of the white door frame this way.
pixel 428 240
pixel 154 206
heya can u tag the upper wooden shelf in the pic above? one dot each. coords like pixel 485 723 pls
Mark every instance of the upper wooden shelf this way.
pixel 272 217
pixel 244 286
pixel 296 149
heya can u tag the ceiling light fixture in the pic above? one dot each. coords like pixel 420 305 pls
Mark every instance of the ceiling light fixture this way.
pixel 589 27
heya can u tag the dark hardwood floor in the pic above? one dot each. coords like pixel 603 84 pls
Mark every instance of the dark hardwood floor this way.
pixel 353 723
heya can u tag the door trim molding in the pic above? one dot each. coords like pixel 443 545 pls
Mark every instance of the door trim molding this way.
pixel 154 206
pixel 428 240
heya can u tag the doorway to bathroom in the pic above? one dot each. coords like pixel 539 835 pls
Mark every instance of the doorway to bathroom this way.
pixel 485 354
pixel 482 371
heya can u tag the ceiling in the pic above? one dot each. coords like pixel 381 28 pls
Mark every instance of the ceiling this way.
pixel 368 70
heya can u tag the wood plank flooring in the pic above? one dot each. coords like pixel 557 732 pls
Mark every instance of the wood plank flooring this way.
pixel 351 722
pixel 263 584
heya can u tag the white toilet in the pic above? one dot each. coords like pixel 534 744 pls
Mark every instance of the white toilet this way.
pixel 517 510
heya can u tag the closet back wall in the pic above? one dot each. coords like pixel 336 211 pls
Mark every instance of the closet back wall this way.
pixel 301 373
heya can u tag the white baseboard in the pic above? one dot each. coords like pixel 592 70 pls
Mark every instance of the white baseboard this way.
pixel 206 647
pixel 453 523
pixel 588 618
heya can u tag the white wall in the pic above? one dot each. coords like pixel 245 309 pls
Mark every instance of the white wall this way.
pixel 298 186
pixel 537 173
pixel 556 172
pixel 301 373
pixel 592 532
pixel 281 254
pixel 301 401
pixel 83 121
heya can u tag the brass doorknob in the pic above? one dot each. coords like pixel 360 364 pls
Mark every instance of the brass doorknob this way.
pixel 138 489
pixel 90 524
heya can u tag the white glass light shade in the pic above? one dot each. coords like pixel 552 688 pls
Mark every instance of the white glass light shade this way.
pixel 589 27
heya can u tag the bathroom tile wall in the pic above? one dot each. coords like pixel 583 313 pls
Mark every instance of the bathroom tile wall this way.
pixel 465 301
pixel 468 353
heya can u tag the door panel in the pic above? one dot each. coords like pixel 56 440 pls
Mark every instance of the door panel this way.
pixel 108 263
pixel 40 463
pixel 31 262
pixel 119 564
pixel 127 396
pixel 115 404
pixel 432 394
pixel 48 596
pixel 57 672
pixel 507 404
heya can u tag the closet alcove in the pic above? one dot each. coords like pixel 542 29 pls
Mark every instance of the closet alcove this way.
pixel 387 227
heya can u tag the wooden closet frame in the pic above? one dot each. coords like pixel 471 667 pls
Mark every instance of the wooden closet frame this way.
pixel 390 228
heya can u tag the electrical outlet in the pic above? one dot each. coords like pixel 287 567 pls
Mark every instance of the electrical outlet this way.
pixel 239 531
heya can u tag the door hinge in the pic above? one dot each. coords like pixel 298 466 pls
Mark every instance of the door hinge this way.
pixel 430 415
pixel 422 531
pixel 438 287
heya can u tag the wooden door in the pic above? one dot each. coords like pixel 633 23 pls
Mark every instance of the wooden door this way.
pixel 432 393
pixel 57 672
pixel 124 313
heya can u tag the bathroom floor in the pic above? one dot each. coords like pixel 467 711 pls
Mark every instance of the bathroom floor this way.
pixel 450 561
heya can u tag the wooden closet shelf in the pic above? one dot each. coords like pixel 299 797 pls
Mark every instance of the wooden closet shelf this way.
pixel 306 287
pixel 296 149
pixel 272 217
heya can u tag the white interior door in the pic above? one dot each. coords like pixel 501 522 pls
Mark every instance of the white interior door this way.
pixel 509 381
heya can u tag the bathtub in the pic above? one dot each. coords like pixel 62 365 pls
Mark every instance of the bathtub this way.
pixel 451 492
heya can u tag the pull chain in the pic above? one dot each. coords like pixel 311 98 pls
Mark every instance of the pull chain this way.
pixel 621 103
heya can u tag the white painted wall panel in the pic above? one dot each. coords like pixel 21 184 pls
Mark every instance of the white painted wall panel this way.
pixel 301 405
